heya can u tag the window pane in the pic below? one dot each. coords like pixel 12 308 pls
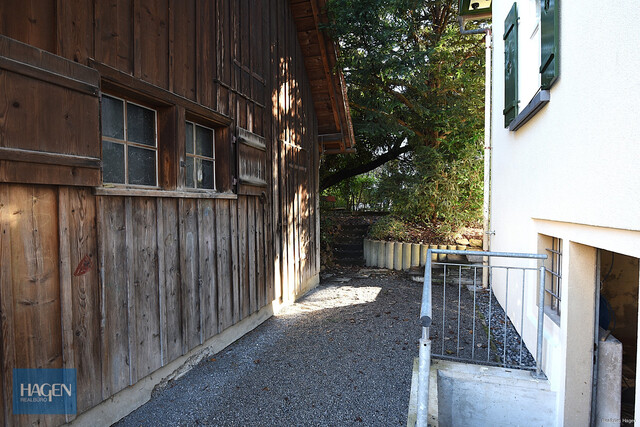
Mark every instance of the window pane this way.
pixel 189 182
pixel 141 125
pixel 204 142
pixel 189 138
pixel 112 162
pixel 142 166
pixel 112 117
pixel 204 173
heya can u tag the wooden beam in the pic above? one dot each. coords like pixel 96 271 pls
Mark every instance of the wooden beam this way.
pixel 31 156
pixel 325 63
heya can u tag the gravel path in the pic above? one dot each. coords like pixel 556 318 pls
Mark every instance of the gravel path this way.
pixel 340 356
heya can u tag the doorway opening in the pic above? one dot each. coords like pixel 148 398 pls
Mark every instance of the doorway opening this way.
pixel 618 319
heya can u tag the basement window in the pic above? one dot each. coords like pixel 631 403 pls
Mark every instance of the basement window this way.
pixel 553 277
pixel 129 143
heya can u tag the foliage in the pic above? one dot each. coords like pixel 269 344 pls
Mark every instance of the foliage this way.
pixel 389 228
pixel 416 91
pixel 358 193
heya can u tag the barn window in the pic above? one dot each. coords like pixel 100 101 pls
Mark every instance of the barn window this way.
pixel 200 156
pixel 129 143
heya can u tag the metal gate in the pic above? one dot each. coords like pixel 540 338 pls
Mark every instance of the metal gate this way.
pixel 462 319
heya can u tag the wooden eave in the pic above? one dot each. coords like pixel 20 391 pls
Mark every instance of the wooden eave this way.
pixel 328 88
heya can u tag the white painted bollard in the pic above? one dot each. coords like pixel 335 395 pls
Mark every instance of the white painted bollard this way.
pixel 442 257
pixel 389 247
pixel 366 252
pixel 415 255
pixel 423 255
pixel 453 258
pixel 380 248
pixel 397 256
pixel 434 257
pixel 406 256
pixel 373 253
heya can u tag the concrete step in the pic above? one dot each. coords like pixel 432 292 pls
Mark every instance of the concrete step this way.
pixel 348 246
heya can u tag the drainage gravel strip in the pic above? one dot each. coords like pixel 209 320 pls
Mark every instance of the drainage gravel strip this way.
pixel 340 356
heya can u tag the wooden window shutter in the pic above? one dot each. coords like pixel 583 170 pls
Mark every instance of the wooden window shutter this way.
pixel 549 43
pixel 510 66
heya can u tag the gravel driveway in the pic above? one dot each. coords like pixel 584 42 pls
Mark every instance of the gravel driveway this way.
pixel 340 356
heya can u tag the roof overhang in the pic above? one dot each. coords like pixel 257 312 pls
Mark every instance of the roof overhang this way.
pixel 328 88
pixel 474 9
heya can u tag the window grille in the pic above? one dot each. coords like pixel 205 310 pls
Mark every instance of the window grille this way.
pixel 553 281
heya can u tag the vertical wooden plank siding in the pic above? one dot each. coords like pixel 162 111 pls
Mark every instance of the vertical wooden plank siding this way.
pixel 172 296
pixel 131 292
pixel 162 273
pixel 75 31
pixel 206 263
pixel 115 365
pixel 116 287
pixel 145 284
pixel 190 280
pixel 252 253
pixel 183 47
pixel 66 297
pixel 7 214
pixel 113 39
pixel 223 249
pixel 32 323
pixel 260 246
pixel 243 256
pixel 83 281
pixel 30 21
pixel 233 232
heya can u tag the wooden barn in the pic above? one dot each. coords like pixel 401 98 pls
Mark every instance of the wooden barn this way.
pixel 158 183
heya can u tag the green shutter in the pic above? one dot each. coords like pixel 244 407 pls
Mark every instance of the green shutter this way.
pixel 511 66
pixel 549 43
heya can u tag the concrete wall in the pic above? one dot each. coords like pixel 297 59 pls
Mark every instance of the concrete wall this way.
pixel 570 172
pixel 472 395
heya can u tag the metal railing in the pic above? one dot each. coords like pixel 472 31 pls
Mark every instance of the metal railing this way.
pixel 469 324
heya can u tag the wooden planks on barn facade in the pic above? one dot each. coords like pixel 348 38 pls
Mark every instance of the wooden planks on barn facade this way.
pixel 117 285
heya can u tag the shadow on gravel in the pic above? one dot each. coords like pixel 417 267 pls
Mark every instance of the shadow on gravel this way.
pixel 340 356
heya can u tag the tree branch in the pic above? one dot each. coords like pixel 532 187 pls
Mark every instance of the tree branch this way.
pixel 342 174
pixel 394 118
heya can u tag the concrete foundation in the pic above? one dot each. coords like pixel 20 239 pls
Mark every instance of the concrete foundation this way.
pixel 473 395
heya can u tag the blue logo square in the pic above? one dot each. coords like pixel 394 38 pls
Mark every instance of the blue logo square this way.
pixel 44 391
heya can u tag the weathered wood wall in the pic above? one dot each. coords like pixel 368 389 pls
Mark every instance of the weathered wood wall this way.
pixel 164 272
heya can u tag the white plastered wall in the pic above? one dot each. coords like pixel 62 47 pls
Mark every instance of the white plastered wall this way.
pixel 572 171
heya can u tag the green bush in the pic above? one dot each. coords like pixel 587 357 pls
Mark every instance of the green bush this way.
pixel 389 228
